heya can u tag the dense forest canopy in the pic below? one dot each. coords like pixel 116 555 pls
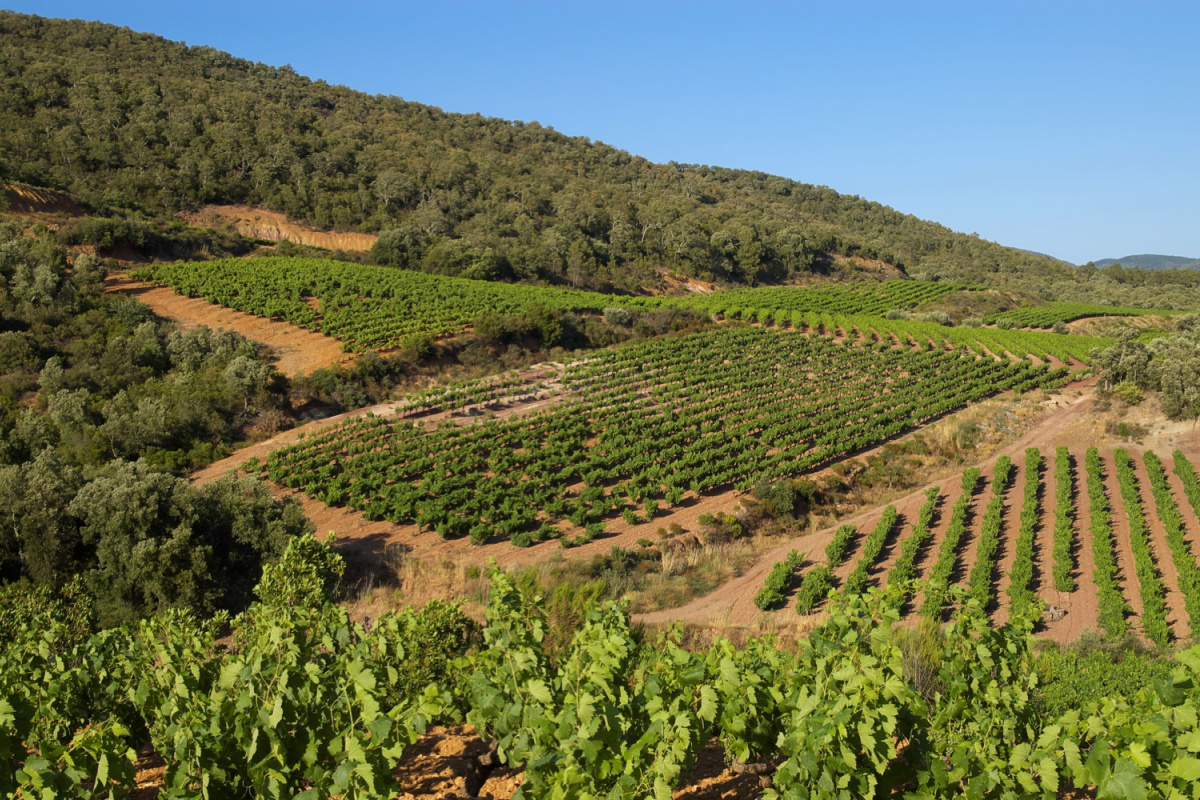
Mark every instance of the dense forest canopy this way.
pixel 127 121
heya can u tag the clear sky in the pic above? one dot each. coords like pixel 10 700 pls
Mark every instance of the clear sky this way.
pixel 1070 128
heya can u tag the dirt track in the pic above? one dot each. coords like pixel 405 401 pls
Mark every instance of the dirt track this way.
pixel 297 351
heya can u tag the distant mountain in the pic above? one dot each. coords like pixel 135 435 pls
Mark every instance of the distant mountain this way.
pixel 1150 261
pixel 1043 255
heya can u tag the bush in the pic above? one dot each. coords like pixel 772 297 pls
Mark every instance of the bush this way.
pixel 1129 393
pixel 615 315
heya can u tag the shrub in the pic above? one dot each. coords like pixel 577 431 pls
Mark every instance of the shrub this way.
pixel 1129 393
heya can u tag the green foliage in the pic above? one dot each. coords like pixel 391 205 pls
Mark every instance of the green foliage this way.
pixel 638 425
pixel 873 545
pixel 911 548
pixel 607 720
pixel 1020 586
pixel 1064 520
pixel 839 545
pixel 301 704
pixel 988 749
pixel 815 587
pixel 370 307
pixel 1051 314
pixel 1182 556
pixel 141 540
pixel 1154 607
pixel 1129 393
pixel 1092 669
pixel 937 586
pixel 1112 608
pixel 849 707
pixel 751 687
pixel 779 582
pixel 979 582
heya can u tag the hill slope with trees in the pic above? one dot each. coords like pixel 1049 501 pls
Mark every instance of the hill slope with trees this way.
pixel 1151 261
pixel 130 123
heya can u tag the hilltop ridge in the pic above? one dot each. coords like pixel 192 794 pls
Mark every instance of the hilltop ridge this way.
pixel 1150 261
pixel 148 128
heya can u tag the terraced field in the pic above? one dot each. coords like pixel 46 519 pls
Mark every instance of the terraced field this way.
pixel 373 308
pixel 637 430
pixel 1106 540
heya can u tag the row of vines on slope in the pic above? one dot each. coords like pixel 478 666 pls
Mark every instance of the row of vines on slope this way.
pixel 371 308
pixel 638 428
pixel 981 582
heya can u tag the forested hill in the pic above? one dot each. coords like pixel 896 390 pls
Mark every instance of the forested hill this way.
pixel 128 121
pixel 1151 261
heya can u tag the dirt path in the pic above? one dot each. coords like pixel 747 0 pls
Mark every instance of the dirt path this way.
pixel 1081 605
pixel 297 351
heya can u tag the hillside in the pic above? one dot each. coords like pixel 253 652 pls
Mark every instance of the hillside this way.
pixel 1150 261
pixel 145 126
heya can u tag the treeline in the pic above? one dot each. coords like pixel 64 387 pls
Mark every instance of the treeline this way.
pixel 1169 365
pixel 450 193
pixel 102 406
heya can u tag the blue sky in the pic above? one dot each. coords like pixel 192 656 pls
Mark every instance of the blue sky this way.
pixel 1063 127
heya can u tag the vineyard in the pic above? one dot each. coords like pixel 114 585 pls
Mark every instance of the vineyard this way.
pixel 300 701
pixel 637 430
pixel 1137 516
pixel 371 308
pixel 1045 316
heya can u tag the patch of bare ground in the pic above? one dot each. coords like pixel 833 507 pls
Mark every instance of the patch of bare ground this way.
pixel 1080 606
pixel 151 771
pixel 1177 618
pixel 679 283
pixel 259 223
pixel 1107 326
pixel 519 404
pixel 297 351
pixel 32 200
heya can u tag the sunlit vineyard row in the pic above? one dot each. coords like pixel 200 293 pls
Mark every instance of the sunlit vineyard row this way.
pixel 1045 316
pixel 978 531
pixel 368 307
